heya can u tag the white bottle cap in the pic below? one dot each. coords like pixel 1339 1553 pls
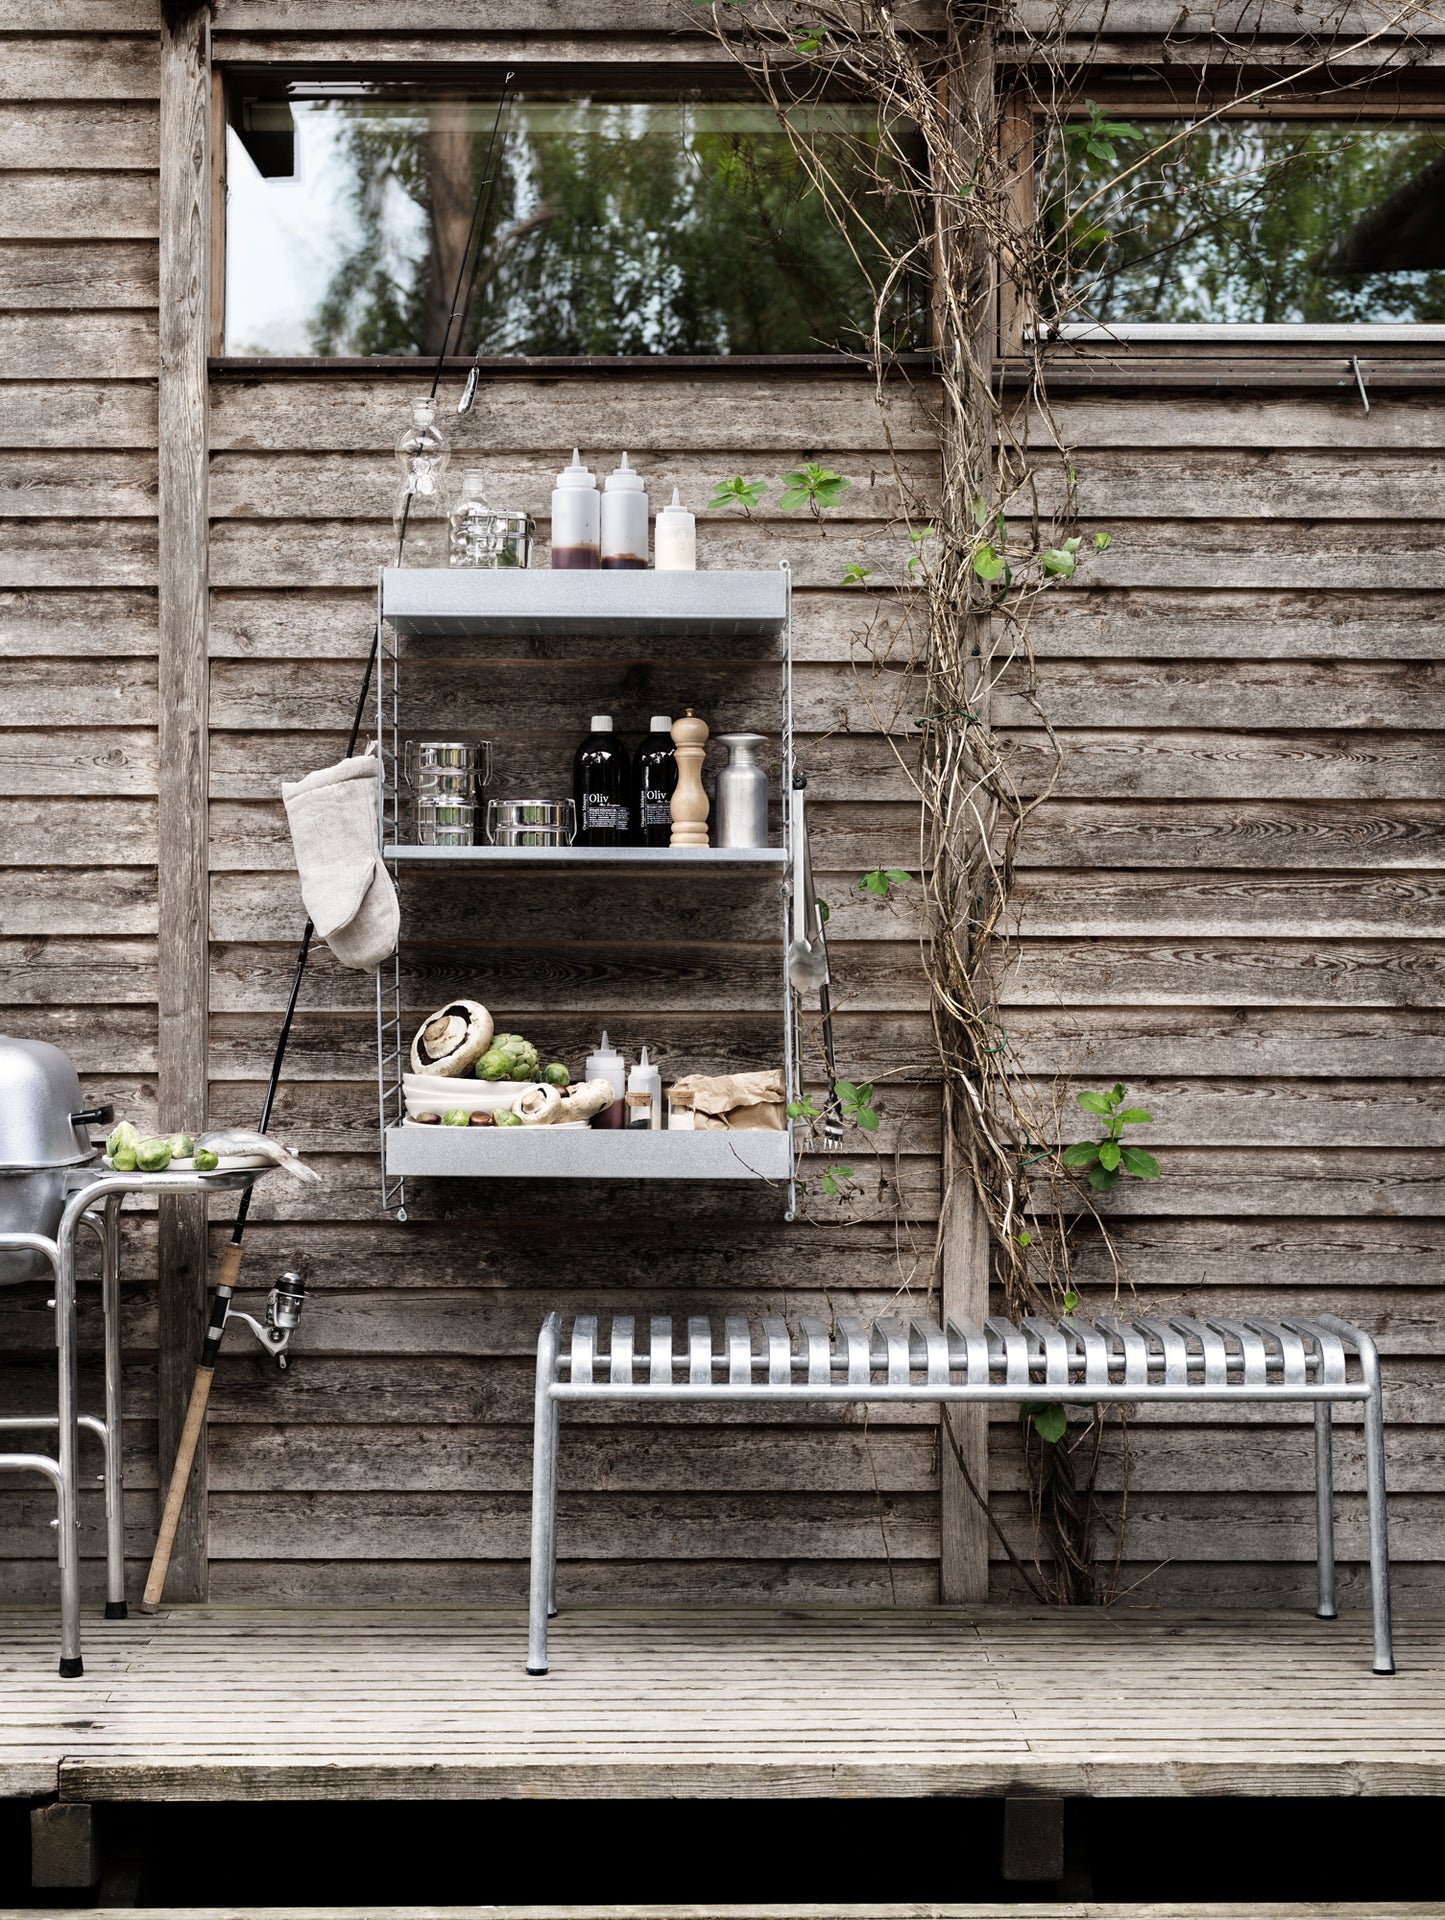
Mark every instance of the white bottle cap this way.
pixel 660 723
pixel 576 475
pixel 602 723
pixel 675 507
pixel 474 483
pixel 623 479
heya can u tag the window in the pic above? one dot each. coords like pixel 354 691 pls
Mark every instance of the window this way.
pixel 616 226
pixel 1256 220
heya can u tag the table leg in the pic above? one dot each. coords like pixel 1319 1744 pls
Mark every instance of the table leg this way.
pixel 115 1608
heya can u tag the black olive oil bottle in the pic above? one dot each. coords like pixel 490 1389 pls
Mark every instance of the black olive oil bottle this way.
pixel 601 787
pixel 654 775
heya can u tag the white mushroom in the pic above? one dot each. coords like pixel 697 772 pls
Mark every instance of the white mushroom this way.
pixel 585 1099
pixel 537 1107
pixel 452 1040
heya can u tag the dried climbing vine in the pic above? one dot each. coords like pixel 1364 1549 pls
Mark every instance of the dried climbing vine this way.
pixel 953 153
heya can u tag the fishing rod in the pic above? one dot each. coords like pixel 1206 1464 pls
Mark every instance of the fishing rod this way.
pixel 229 1270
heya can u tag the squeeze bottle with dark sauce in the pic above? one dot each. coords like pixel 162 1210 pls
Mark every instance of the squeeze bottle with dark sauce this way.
pixel 601 786
pixel 576 518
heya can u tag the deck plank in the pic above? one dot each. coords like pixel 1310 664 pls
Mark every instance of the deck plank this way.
pixel 211 1703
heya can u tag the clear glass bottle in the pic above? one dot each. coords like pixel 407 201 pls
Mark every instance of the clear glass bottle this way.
pixel 484 536
pixel 422 454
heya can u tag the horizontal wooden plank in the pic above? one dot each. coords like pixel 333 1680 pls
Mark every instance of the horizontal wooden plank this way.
pixel 76 833
pixel 42 693
pixel 104 273
pixel 78 553
pixel 76 972
pixel 1273 1112
pixel 1204 972
pixel 106 761
pixel 95 134
pixel 123 1042
pixel 267 485
pixel 1238 423
pixel 91 486
pixel 772 414
pixel 1292 834
pixel 1248 694
pixel 105 346
pixel 1238 553
pixel 1160 624
pixel 1189 762
pixel 95 207
pixel 1339 483
pixel 1293 1041
pixel 99 899
pixel 81 411
pixel 81 66
pixel 51 624
pixel 1062 903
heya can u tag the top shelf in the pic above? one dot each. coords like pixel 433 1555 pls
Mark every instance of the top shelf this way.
pixel 454 602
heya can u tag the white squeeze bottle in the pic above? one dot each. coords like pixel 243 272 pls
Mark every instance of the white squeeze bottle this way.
pixel 606 1064
pixel 676 538
pixel 624 518
pixel 644 1094
pixel 576 517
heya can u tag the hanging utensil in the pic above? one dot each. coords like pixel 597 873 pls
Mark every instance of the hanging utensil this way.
pixel 808 958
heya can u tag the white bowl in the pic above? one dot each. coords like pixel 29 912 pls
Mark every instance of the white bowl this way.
pixel 427 1093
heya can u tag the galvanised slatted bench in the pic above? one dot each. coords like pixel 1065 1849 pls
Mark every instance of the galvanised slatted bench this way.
pixel 1070 1361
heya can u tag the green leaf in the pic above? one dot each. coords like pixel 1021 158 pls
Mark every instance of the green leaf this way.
pixel 864 1117
pixel 854 575
pixel 1102 540
pixel 1071 1301
pixel 1109 1155
pixel 1135 1117
pixel 803 1109
pixel 1144 1165
pixel 812 485
pixel 846 1089
pixel 896 877
pixel 1026 1239
pixel 1049 1422
pixel 1082 1154
pixel 1073 543
pixel 980 513
pixel 737 492
pixel 792 498
pixel 1094 1103
pixel 1054 561
pixel 833 1178
pixel 1101 1180
pixel 1117 1092
pixel 987 565
pixel 825 912
pixel 874 883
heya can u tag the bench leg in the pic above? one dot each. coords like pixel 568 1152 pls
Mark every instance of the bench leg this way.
pixel 552 1514
pixel 545 1425
pixel 115 1608
pixel 1375 1505
pixel 1324 1510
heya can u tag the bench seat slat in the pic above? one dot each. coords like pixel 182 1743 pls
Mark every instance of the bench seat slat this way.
pixel 820 1351
pixel 738 1336
pixel 620 1349
pixel 659 1357
pixel 968 1352
pixel 853 1338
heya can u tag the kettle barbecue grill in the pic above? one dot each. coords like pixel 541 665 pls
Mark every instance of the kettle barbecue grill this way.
pixel 45 1151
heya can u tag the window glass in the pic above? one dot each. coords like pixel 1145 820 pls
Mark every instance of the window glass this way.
pixel 615 227
pixel 1249 219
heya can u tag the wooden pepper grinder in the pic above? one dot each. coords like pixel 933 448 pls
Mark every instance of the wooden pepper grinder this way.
pixel 689 801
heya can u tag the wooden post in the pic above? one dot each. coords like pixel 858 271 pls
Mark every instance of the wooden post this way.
pixel 963 1240
pixel 185 326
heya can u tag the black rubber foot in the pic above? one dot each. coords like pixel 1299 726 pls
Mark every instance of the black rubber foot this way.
pixel 537 1672
pixel 1385 1670
pixel 1322 1614
pixel 551 1613
pixel 71 1669
pixel 116 1610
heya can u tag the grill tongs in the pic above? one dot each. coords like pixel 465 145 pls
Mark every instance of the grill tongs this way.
pixel 808 956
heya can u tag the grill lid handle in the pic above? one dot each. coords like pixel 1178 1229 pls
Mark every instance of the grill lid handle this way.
pixel 93 1117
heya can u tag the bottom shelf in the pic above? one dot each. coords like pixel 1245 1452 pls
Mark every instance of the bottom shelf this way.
pixel 585 1153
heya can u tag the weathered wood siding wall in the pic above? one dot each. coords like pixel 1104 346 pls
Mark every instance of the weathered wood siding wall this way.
pixel 1233 904
pixel 78 754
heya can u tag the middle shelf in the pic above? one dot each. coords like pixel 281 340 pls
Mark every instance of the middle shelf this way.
pixel 746 860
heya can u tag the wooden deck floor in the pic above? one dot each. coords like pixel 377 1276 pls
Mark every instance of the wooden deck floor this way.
pixel 223 1703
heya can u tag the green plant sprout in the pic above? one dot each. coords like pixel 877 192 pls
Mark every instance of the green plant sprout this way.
pixel 1047 1418
pixel 854 575
pixel 882 881
pixel 1109 1159
pixel 836 1180
pixel 813 487
pixel 855 1101
pixel 737 492
pixel 1094 140
pixel 804 1109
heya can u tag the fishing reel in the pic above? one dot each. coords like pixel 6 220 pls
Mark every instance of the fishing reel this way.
pixel 283 1316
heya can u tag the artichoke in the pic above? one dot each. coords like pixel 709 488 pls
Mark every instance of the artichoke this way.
pixel 153 1156
pixel 524 1062
pixel 123 1139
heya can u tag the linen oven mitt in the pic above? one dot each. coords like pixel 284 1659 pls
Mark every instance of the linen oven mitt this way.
pixel 344 882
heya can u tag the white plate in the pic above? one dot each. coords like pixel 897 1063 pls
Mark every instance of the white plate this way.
pixel 473 1096
pixel 557 1126
pixel 229 1163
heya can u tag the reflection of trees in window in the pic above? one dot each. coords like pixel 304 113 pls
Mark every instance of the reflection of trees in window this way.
pixel 618 228
pixel 1254 220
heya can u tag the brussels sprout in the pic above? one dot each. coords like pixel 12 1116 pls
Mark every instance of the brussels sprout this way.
pixel 557 1075
pixel 455 1117
pixel 182 1146
pixel 509 1119
pixel 123 1159
pixel 494 1065
pixel 206 1161
pixel 124 1138
pixel 153 1156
